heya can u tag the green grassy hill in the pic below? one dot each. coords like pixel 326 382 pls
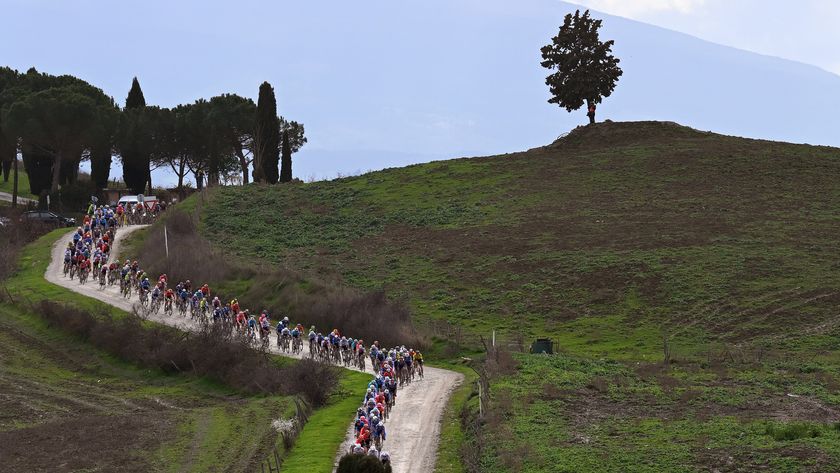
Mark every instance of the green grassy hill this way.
pixel 626 227
pixel 613 241
pixel 67 406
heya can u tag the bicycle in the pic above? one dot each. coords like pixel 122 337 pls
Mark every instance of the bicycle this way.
pixel 167 307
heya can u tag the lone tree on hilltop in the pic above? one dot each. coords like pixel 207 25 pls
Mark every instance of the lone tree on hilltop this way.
pixel 585 69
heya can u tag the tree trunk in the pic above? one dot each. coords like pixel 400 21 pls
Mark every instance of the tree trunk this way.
pixel 56 170
pixel 181 175
pixel 149 180
pixel 590 112
pixel 243 163
pixel 15 182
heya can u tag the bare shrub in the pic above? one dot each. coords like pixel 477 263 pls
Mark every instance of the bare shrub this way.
pixel 500 362
pixel 599 384
pixel 326 305
pixel 213 351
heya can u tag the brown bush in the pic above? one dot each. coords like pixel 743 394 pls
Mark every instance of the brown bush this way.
pixel 213 351
pixel 281 291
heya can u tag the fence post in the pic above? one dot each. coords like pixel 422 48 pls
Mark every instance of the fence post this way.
pixel 480 401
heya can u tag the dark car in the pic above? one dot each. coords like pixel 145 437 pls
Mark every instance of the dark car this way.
pixel 47 217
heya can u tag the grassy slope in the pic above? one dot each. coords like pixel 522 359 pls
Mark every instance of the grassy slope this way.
pixel 181 424
pixel 621 233
pixel 23 183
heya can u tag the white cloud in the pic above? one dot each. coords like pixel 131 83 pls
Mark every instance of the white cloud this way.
pixel 638 8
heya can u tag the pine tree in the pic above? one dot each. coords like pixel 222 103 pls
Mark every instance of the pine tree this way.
pixel 266 137
pixel 286 159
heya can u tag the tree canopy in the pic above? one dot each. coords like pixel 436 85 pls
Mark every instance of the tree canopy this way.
pixel 61 121
pixel 57 122
pixel 585 71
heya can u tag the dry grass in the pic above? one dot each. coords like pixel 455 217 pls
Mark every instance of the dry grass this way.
pixel 324 304
pixel 214 351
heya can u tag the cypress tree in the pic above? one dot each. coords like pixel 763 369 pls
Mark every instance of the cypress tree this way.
pixel 135 159
pixel 266 137
pixel 286 159
pixel 135 97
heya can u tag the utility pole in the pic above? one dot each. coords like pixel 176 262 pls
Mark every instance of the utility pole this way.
pixel 15 182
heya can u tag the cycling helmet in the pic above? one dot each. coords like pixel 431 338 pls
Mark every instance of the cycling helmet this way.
pixel 385 456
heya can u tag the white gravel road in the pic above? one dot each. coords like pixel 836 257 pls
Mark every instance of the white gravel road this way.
pixel 413 426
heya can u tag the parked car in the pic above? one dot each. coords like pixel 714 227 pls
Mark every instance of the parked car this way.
pixel 49 218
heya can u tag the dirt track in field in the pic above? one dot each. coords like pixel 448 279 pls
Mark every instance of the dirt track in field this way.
pixel 414 425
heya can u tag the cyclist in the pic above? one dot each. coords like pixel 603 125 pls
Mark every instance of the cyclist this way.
pixel 418 358
pixel 296 334
pixel 156 293
pixel 252 326
pixel 234 305
pixel 265 325
pixel 241 320
pixel 168 297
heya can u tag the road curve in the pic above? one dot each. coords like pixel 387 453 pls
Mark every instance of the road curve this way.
pixel 6 197
pixel 413 426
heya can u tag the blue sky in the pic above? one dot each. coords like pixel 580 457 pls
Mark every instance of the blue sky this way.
pixel 383 83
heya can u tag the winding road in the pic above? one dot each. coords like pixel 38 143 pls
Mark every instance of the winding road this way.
pixel 413 426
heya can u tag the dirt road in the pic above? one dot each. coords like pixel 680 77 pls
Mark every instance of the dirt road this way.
pixel 414 425
pixel 6 197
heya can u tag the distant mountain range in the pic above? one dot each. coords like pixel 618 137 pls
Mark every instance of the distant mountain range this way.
pixel 483 93
pixel 404 82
